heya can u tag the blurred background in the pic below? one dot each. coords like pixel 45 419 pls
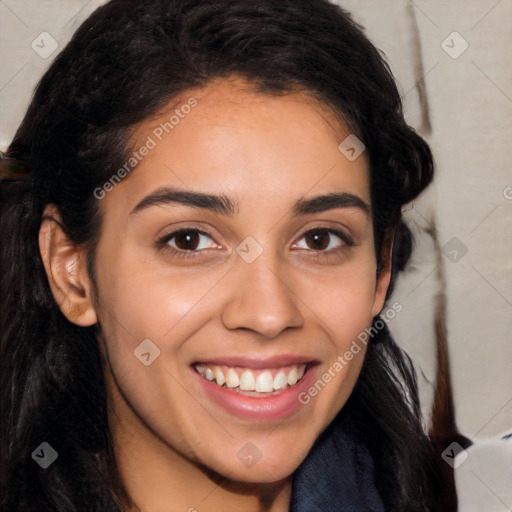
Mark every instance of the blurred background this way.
pixel 453 65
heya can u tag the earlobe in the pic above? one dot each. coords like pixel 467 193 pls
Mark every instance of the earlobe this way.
pixel 66 269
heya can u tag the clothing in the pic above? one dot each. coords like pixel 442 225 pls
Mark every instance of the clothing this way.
pixel 336 476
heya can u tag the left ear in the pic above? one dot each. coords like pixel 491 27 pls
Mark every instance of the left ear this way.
pixel 384 276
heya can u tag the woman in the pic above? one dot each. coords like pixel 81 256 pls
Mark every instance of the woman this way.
pixel 196 269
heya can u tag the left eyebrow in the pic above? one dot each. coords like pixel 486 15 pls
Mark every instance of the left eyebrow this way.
pixel 327 202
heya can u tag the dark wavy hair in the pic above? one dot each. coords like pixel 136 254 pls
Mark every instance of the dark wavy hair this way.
pixel 125 62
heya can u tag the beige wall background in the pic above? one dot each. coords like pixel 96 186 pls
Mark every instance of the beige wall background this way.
pixel 453 63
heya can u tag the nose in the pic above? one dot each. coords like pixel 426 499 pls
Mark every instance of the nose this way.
pixel 261 300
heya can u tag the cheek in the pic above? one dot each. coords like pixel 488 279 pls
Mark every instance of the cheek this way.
pixel 342 298
pixel 142 299
pixel 351 313
pixel 343 305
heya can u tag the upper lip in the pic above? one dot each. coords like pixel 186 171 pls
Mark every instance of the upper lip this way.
pixel 276 361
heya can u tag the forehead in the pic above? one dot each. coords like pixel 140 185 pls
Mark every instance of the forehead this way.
pixel 228 138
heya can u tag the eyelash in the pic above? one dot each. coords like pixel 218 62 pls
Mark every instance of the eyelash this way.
pixel 163 243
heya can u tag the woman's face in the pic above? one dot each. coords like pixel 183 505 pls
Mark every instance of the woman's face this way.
pixel 236 256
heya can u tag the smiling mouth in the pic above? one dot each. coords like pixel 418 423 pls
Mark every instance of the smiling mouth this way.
pixel 253 382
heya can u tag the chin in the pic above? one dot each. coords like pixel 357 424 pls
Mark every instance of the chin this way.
pixel 249 464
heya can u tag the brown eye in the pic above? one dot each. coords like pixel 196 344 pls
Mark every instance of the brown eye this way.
pixel 187 240
pixel 318 240
pixel 324 240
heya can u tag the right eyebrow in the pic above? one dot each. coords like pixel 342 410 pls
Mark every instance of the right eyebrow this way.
pixel 169 195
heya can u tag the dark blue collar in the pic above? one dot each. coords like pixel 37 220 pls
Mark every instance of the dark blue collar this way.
pixel 336 476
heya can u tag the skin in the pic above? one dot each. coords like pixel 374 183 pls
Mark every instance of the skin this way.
pixel 177 450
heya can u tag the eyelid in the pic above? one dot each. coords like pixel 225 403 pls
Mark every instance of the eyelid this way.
pixel 345 237
pixel 163 241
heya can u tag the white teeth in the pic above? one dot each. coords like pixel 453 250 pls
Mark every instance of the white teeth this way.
pixel 232 380
pixel 280 381
pixel 292 377
pixel 296 373
pixel 264 382
pixel 247 381
pixel 219 376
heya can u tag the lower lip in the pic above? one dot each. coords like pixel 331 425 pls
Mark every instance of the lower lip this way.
pixel 265 408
